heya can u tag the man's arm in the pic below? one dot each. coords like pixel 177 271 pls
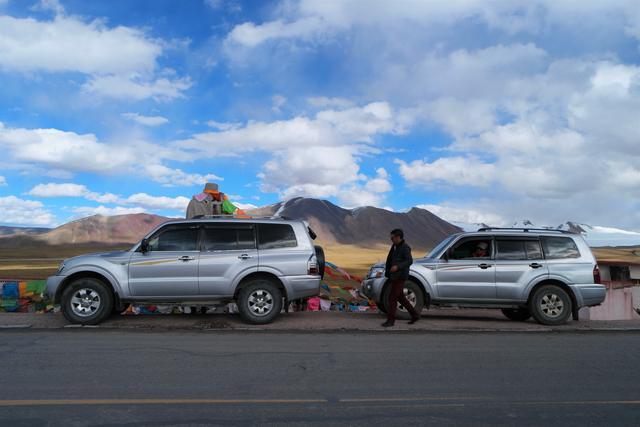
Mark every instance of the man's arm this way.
pixel 407 259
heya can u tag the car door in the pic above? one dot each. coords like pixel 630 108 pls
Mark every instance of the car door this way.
pixel 170 267
pixel 228 251
pixel 463 275
pixel 519 261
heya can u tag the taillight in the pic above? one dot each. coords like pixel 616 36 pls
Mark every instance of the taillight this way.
pixel 596 274
pixel 312 267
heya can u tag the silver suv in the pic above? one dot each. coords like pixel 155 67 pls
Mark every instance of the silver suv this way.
pixel 258 263
pixel 542 273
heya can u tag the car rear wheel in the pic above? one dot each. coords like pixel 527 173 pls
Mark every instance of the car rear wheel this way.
pixel 87 301
pixel 414 294
pixel 516 314
pixel 550 305
pixel 259 302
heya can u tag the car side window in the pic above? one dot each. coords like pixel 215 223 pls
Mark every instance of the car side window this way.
pixel 559 248
pixel 271 236
pixel 176 238
pixel 221 238
pixel 472 249
pixel 510 250
pixel 534 251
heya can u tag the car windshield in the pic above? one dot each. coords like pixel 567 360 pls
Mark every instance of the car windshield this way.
pixel 435 251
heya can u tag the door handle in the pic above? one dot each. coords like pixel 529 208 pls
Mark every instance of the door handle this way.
pixel 535 265
pixel 484 266
pixel 245 256
pixel 187 258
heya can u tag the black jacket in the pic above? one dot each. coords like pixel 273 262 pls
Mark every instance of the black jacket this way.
pixel 399 255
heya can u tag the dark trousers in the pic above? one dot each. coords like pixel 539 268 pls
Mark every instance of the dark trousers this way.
pixel 397 296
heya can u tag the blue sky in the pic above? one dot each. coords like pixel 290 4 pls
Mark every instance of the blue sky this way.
pixel 478 111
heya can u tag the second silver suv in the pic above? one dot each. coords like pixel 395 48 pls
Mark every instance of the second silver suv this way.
pixel 258 263
pixel 546 274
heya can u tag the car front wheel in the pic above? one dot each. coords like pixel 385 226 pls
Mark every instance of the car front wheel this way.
pixel 413 293
pixel 259 302
pixel 550 305
pixel 87 301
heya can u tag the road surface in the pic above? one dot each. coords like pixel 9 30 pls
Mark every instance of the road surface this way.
pixel 96 377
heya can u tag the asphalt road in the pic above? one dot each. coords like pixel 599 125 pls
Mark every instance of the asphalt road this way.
pixel 93 377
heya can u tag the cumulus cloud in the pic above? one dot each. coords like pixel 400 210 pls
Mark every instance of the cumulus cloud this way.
pixel 146 120
pixel 14 210
pixel 120 62
pixel 315 156
pixel 70 152
pixel 140 201
pixel 106 211
pixel 448 170
pixel 465 214
pixel 176 177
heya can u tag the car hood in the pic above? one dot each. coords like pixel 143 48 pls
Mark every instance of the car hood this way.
pixel 113 256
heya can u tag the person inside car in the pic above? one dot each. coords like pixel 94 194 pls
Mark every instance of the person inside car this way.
pixel 481 251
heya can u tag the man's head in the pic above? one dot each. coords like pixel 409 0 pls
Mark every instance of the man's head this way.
pixel 481 249
pixel 211 188
pixel 397 236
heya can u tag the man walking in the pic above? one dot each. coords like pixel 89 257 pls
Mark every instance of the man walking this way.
pixel 397 270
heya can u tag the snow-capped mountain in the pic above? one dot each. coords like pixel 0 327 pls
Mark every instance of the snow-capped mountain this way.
pixel 595 235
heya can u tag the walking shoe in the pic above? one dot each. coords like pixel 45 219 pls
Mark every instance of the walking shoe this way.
pixel 387 324
pixel 414 320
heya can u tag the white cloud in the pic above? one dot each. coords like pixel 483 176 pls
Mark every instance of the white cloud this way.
pixel 147 201
pixel 106 211
pixel 63 150
pixel 120 62
pixel 448 170
pixel 146 120
pixel 68 44
pixel 14 210
pixel 176 177
pixel 466 215
pixel 139 200
pixel 136 88
pixel 3 180
pixel 223 126
pixel 52 190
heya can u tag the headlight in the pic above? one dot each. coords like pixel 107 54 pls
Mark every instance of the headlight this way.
pixel 376 272
pixel 60 268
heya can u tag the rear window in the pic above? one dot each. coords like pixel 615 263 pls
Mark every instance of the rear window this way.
pixel 227 238
pixel 518 249
pixel 271 236
pixel 559 248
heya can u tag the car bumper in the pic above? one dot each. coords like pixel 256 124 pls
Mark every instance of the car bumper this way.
pixel 302 286
pixel 590 294
pixel 372 287
pixel 53 283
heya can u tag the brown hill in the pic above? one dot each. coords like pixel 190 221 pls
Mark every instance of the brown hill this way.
pixel 362 226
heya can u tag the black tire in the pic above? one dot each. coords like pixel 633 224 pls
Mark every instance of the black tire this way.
pixel 516 314
pixel 413 288
pixel 97 296
pixel 382 306
pixel 255 293
pixel 550 305
pixel 321 260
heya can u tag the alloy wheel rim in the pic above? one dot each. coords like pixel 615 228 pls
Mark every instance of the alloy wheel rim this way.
pixel 551 305
pixel 85 302
pixel 411 297
pixel 260 302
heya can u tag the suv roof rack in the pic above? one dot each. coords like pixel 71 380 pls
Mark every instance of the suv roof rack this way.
pixel 525 230
pixel 227 216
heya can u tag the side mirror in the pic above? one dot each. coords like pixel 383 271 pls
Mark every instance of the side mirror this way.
pixel 144 246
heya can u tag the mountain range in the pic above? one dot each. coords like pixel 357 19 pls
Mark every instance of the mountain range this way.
pixel 365 226
pixel 332 224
